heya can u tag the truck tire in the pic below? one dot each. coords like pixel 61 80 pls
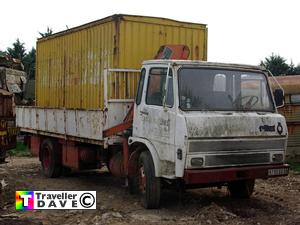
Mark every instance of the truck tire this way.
pixel 241 188
pixel 51 159
pixel 149 185
pixel 133 185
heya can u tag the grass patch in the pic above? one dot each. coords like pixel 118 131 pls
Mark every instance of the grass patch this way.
pixel 20 150
pixel 294 165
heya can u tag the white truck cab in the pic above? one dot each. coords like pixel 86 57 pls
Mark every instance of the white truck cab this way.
pixel 206 124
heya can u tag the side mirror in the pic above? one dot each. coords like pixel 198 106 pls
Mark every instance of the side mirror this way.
pixel 279 97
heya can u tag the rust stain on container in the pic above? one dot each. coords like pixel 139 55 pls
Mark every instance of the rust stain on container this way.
pixel 71 63
pixel 290 84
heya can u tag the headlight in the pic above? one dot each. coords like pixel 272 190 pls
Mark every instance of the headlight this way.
pixel 197 162
pixel 277 157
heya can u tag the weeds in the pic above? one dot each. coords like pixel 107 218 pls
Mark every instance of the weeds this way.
pixel 20 150
pixel 294 165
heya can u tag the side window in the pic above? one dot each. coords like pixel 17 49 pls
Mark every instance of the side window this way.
pixel 219 83
pixel 140 87
pixel 156 87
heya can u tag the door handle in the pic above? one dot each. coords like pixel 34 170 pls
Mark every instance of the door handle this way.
pixel 144 113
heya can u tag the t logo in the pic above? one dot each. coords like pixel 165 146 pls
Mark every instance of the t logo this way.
pixel 24 200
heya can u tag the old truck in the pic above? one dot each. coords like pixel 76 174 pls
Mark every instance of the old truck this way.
pixel 187 123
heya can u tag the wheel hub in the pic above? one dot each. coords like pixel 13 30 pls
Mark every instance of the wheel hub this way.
pixel 142 180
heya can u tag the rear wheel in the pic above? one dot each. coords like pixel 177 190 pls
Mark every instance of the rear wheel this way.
pixel 149 185
pixel 241 188
pixel 51 159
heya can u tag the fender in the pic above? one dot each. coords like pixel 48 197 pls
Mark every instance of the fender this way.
pixel 151 148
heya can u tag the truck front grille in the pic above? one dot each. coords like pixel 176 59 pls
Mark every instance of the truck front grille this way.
pixel 237 159
pixel 237 145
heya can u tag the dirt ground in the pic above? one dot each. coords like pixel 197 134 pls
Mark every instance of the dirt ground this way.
pixel 275 201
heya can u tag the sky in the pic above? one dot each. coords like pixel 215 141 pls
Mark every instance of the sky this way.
pixel 239 31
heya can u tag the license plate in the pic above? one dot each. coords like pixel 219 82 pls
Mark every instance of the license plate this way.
pixel 278 172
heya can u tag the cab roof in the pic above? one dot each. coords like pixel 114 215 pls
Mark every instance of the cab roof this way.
pixel 203 64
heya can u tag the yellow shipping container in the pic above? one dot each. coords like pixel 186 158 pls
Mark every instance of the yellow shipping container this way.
pixel 70 64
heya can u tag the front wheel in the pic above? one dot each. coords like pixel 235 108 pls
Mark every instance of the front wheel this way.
pixel 149 185
pixel 133 185
pixel 241 188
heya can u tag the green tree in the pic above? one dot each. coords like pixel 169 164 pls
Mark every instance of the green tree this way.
pixel 2 53
pixel 29 63
pixel 297 70
pixel 18 50
pixel 48 32
pixel 276 64
pixel 293 70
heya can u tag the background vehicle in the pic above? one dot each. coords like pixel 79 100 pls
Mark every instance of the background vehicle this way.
pixel 291 111
pixel 12 79
pixel 192 124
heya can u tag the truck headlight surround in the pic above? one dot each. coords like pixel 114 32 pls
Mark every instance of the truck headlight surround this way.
pixel 197 162
pixel 277 157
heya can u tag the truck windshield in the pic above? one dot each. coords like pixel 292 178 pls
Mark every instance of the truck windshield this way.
pixel 220 89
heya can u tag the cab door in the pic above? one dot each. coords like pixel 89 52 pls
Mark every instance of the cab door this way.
pixel 155 114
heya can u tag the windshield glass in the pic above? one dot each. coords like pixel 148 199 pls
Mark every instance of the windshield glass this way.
pixel 219 89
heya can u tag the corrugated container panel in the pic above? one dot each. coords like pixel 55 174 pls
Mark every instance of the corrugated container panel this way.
pixel 141 37
pixel 294 136
pixel 70 64
pixel 291 112
pixel 70 68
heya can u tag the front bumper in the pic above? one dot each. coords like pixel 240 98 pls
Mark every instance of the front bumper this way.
pixel 207 176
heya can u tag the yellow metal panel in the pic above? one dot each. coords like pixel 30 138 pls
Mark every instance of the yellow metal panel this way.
pixel 160 21
pixel 70 67
pixel 140 40
pixel 70 64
